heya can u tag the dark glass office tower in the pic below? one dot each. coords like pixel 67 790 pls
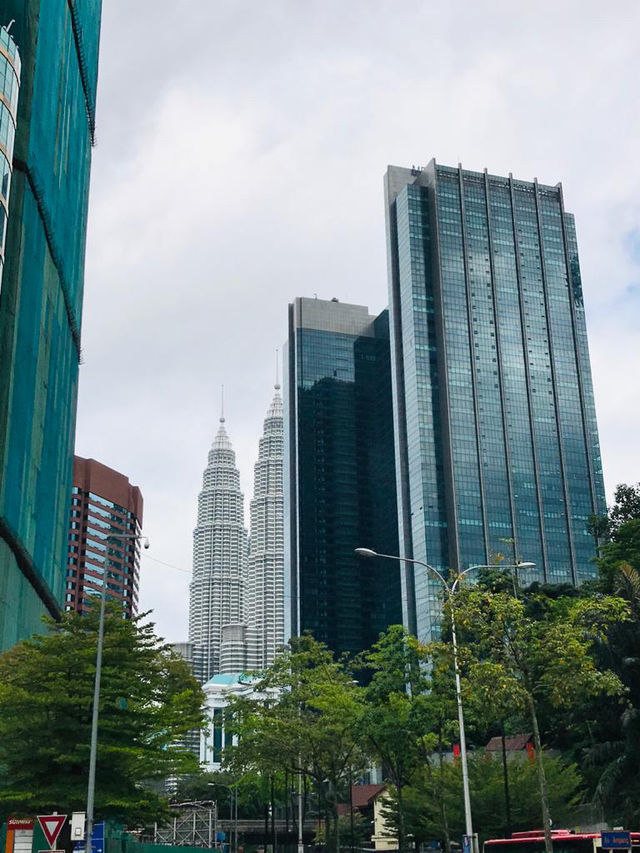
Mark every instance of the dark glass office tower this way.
pixel 496 435
pixel 340 489
pixel 41 295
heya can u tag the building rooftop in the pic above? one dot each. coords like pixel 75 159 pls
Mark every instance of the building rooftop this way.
pixel 514 743
pixel 227 679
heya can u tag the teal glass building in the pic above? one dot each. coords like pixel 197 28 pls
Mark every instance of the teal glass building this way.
pixel 339 475
pixel 41 299
pixel 497 448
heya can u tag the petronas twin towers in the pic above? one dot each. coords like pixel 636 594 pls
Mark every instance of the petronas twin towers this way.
pixel 236 609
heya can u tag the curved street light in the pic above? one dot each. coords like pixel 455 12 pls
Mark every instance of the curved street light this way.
pixel 91 789
pixel 233 808
pixel 450 590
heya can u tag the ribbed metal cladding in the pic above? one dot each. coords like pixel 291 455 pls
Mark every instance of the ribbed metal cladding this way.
pixel 496 319
pixel 400 433
pixel 445 409
pixel 552 361
pixel 528 383
pixel 474 376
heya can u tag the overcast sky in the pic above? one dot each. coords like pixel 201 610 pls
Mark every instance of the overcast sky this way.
pixel 241 149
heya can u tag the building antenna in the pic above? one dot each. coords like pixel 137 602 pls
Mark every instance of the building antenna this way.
pixel 222 404
pixel 9 25
pixel 277 385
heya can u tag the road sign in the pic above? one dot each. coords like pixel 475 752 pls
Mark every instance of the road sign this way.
pixel 20 823
pixel 51 825
pixel 616 840
pixel 97 840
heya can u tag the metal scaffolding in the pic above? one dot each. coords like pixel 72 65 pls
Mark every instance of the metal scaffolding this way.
pixel 189 827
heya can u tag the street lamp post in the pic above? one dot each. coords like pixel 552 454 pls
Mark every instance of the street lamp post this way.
pixel 91 788
pixel 450 591
pixel 233 809
pixel 300 812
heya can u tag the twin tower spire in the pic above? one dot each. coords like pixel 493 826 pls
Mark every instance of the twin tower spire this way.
pixel 236 609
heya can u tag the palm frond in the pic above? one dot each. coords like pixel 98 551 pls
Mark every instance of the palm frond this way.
pixel 627 584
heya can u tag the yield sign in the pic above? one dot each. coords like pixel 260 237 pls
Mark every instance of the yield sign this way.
pixel 51 825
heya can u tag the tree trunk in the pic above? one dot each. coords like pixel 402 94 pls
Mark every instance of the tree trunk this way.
pixel 542 779
pixel 505 778
pixel 352 842
pixel 328 824
pixel 287 792
pixel 401 833
pixel 273 816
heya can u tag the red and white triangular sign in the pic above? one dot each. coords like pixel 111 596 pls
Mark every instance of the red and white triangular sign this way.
pixel 51 825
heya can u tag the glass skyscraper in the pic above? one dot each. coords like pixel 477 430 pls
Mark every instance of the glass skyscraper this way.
pixel 265 568
pixel 41 295
pixel 340 483
pixel 496 436
pixel 217 606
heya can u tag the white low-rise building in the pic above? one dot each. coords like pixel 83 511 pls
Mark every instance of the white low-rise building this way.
pixel 219 691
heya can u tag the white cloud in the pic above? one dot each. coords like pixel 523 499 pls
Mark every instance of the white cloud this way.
pixel 240 161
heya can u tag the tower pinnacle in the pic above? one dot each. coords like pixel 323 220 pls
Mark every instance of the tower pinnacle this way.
pixel 217 590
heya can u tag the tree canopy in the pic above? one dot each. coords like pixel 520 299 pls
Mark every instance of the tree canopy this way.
pixel 429 790
pixel 306 719
pixel 522 656
pixel 148 702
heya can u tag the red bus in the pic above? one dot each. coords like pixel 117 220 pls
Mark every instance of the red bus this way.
pixel 564 841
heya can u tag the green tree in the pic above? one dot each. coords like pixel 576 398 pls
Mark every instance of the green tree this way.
pixel 405 714
pixel 613 751
pixel 148 702
pixel 354 831
pixel 523 661
pixel 205 786
pixel 424 820
pixel 626 507
pixel 622 548
pixel 306 720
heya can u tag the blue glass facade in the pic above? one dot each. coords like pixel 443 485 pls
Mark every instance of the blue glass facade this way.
pixel 341 486
pixel 496 438
pixel 41 300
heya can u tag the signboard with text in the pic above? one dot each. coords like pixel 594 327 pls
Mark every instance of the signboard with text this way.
pixel 19 835
pixel 97 840
pixel 617 840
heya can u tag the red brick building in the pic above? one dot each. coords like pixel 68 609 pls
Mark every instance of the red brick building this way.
pixel 103 504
